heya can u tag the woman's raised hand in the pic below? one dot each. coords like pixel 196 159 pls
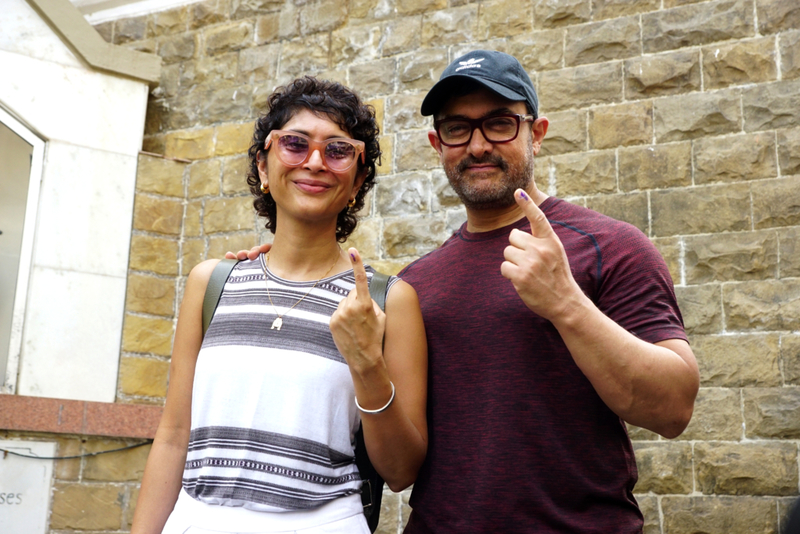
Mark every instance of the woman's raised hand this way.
pixel 358 324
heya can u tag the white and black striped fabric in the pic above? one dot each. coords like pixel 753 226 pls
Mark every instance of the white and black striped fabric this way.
pixel 273 416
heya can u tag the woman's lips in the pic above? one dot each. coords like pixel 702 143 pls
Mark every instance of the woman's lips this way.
pixel 312 186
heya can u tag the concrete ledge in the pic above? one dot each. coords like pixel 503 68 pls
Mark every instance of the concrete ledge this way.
pixel 62 416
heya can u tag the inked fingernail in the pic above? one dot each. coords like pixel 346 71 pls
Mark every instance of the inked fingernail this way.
pixel 352 256
pixel 523 195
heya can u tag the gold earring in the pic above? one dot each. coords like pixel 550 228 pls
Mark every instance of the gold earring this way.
pixel 265 188
pixel 352 202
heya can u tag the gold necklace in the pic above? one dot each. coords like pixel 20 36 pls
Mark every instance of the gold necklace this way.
pixel 278 322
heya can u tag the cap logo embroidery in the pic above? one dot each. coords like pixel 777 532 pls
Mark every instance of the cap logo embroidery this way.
pixel 471 63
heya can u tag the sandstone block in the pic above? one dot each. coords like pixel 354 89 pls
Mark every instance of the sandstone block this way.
pixel 608 9
pixel 790 358
pixel 267 29
pixel 106 30
pixel 717 416
pixel 726 257
pixel 389 266
pixel 444 197
pixel 369 9
pixel 228 214
pixel 207 13
pixel 174 48
pixel 386 160
pixel 603 41
pixel 153 143
pixel 450 26
pixel 777 15
pixel 85 507
pixel 763 305
pixel 554 13
pixel 379 105
pixel 696 24
pixel 412 236
pixel 171 21
pixel 504 18
pixel 159 215
pixel 366 239
pixel 655 166
pixel 776 202
pixel 142 377
pixel 687 210
pixel 227 37
pixel 537 50
pixel 738 360
pixel 190 144
pixel 191 218
pixel 701 308
pixel 121 466
pixel 772 105
pixel 147 335
pixel 732 515
pixel 789 240
pixel 323 16
pixel 241 9
pixel 204 178
pixel 133 29
pixel 413 152
pixel 711 114
pixel 410 7
pixel 289 21
pixel 390 512
pixel 455 219
pixel 621 125
pixel 789 151
pixel 374 77
pixel 233 139
pixel 772 412
pixel 636 433
pixel 67 469
pixel 631 208
pixel 585 173
pixel 260 64
pixel 234 175
pixel 581 86
pixel 160 176
pixel 670 249
pixel 421 69
pixel 192 253
pixel 402 35
pixel 403 194
pixel 218 245
pixel 149 294
pixel 127 514
pixel 648 504
pixel 355 44
pixel 735 158
pixel 739 63
pixel 305 55
pixel 155 254
pixel 663 74
pixel 664 467
pixel 170 81
pixel 746 468
pixel 402 113
pixel 566 133
pixel 789 45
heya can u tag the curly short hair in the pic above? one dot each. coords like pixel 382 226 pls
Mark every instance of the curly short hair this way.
pixel 341 105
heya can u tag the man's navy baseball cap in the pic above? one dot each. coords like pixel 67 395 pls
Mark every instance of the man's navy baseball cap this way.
pixel 496 71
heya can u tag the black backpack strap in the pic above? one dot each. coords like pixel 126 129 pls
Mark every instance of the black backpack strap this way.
pixel 214 289
pixel 372 488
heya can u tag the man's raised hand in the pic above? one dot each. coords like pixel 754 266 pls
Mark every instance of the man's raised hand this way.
pixel 537 265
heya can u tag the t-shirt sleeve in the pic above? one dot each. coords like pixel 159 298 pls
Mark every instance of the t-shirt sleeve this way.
pixel 636 289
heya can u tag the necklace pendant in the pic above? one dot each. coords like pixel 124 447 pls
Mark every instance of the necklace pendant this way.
pixel 277 323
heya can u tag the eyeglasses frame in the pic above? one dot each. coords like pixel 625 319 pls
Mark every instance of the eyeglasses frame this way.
pixel 319 146
pixel 477 124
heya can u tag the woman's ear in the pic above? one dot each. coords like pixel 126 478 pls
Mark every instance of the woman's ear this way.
pixel 261 163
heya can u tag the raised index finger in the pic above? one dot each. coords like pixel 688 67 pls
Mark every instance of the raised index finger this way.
pixel 540 226
pixel 360 274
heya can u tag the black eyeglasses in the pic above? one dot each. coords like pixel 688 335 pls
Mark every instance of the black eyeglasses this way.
pixel 495 129
pixel 294 149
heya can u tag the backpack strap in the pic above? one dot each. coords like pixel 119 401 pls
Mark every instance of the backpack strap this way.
pixel 214 288
pixel 377 288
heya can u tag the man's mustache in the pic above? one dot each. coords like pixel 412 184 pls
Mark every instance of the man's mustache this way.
pixel 491 159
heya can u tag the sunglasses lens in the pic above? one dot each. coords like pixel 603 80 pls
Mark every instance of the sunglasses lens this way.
pixel 340 155
pixel 293 149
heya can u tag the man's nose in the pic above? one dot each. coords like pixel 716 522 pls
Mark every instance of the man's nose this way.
pixel 478 144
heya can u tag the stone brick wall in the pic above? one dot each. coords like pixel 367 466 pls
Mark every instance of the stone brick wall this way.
pixel 679 116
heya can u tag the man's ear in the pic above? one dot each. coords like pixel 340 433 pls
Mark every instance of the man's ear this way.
pixel 433 138
pixel 538 131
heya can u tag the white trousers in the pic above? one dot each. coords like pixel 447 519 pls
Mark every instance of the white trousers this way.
pixel 342 516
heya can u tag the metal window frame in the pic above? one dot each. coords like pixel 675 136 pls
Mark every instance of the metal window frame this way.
pixel 9 384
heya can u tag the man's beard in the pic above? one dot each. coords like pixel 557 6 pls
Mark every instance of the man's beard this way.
pixel 500 193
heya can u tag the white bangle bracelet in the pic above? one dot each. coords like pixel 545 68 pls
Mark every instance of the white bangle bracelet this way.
pixel 379 410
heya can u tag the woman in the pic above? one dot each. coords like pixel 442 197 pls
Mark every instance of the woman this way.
pixel 265 403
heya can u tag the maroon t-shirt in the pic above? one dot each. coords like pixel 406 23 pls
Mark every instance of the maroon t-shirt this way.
pixel 519 439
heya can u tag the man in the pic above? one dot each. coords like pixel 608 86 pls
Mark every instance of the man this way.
pixel 549 326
